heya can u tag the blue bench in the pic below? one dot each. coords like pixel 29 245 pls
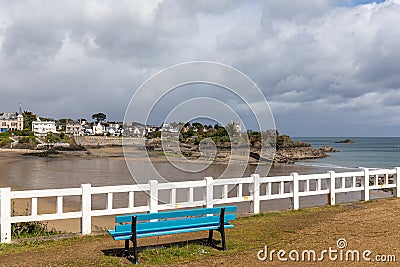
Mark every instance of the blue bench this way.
pixel 131 227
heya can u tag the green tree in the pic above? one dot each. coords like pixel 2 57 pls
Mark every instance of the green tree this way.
pixel 99 117
pixel 29 117
pixel 221 131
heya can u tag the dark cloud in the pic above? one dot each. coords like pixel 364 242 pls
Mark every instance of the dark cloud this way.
pixel 323 65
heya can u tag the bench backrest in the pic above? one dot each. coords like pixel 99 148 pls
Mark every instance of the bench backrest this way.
pixel 175 219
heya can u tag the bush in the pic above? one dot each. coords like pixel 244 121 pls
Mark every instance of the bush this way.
pixel 4 135
pixel 52 138
pixel 5 142
pixel 225 138
pixel 27 140
pixel 23 133
pixel 29 229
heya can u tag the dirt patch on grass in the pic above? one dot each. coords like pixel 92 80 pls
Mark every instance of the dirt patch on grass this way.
pixel 372 225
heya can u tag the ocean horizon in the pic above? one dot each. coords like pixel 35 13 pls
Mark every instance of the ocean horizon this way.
pixel 365 152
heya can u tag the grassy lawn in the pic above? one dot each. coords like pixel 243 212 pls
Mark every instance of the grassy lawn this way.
pixel 371 225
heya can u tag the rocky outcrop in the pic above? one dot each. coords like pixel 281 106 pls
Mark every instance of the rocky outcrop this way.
pixel 292 154
pixel 346 141
pixel 328 149
pixel 287 150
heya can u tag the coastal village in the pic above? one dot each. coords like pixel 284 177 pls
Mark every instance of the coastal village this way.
pixel 40 127
pixel 27 123
pixel 29 131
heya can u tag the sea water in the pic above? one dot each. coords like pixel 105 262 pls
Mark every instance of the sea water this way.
pixel 368 152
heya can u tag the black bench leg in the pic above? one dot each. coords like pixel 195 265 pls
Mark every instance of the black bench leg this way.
pixel 222 227
pixel 210 237
pixel 223 238
pixel 134 239
pixel 126 249
pixel 135 250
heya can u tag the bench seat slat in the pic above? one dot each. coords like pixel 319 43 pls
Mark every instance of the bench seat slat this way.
pixel 174 214
pixel 128 234
pixel 170 224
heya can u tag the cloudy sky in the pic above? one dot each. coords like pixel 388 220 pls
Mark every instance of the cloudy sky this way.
pixel 327 68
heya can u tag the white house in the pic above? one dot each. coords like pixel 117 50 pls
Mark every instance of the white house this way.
pixel 99 129
pixel 114 129
pixel 74 128
pixel 139 131
pixel 42 128
pixel 11 122
pixel 169 127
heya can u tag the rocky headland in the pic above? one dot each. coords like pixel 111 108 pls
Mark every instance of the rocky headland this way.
pixel 287 150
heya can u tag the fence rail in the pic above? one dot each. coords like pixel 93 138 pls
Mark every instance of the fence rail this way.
pixel 164 196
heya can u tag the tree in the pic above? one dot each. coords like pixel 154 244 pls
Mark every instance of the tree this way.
pixel 99 117
pixel 29 117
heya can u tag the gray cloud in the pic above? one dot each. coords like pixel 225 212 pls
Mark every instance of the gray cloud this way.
pixel 323 67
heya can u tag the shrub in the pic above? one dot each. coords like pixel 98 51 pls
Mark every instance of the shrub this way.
pixel 27 140
pixel 5 142
pixel 52 138
pixel 29 229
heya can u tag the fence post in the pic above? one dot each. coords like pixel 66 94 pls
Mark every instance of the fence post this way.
pixel 365 183
pixel 295 190
pixel 153 196
pixel 86 208
pixel 255 192
pixel 332 187
pixel 5 215
pixel 397 193
pixel 208 195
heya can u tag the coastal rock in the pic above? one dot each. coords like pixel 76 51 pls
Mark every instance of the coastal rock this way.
pixel 289 151
pixel 346 141
pixel 328 149
pixel 300 153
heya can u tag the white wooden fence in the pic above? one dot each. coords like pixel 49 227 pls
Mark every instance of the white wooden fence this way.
pixel 212 192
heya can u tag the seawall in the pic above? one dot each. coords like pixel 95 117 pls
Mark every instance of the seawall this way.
pixel 106 140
